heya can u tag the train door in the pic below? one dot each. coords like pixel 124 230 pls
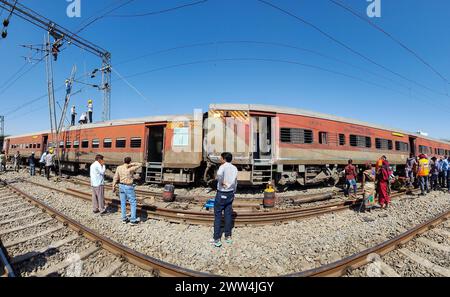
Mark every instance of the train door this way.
pixel 155 154
pixel 262 138
pixel 412 145
pixel 262 144
pixel 44 143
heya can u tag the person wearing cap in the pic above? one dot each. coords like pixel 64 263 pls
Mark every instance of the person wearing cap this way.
pixel 73 114
pixel 32 163
pixel 49 163
pixel 423 173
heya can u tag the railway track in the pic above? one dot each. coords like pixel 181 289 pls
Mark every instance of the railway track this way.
pixel 373 256
pixel 38 240
pixel 241 218
pixel 200 200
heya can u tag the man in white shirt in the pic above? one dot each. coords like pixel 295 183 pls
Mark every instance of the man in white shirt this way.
pixel 83 119
pixel 90 110
pixel 97 173
pixel 226 189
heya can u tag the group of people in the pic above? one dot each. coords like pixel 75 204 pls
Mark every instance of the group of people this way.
pixel 123 184
pixel 375 182
pixel 430 174
pixel 46 162
pixel 85 117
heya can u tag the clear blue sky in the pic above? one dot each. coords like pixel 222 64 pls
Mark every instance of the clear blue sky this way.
pixel 383 98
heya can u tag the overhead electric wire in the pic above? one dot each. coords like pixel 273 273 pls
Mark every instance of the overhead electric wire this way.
pixel 158 11
pixel 349 48
pixel 396 40
pixel 209 61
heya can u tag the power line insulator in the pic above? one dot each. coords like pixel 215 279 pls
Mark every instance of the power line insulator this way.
pixel 4 34
pixel 6 23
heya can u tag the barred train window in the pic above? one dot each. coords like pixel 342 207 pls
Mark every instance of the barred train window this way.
pixel 68 144
pixel 341 139
pixel 76 144
pixel 401 146
pixel 360 141
pixel 121 142
pixel 383 144
pixel 107 143
pixel 296 136
pixel 95 143
pixel 61 144
pixel 136 142
pixel 85 143
pixel 181 136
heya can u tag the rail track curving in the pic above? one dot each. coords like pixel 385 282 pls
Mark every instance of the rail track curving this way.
pixel 241 218
pixel 34 213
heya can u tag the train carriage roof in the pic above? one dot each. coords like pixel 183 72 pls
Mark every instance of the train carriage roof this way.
pixel 112 123
pixel 296 111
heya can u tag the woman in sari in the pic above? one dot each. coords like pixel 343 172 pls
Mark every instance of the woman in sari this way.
pixel 383 185
pixel 368 186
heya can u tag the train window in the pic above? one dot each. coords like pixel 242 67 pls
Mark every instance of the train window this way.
pixel 360 141
pixel 296 136
pixel 76 144
pixel 85 143
pixel 341 139
pixel 121 142
pixel 107 143
pixel 422 149
pixel 38 146
pixel 383 144
pixel 61 144
pixel 401 146
pixel 95 143
pixel 68 144
pixel 135 142
pixel 323 137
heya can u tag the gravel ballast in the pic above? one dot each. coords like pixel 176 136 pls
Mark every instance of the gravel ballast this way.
pixel 256 251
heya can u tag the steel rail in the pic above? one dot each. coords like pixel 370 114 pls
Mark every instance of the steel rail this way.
pixel 203 199
pixel 207 218
pixel 157 267
pixel 360 259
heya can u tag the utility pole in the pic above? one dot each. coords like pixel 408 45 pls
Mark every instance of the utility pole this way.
pixel 62 35
pixel 2 131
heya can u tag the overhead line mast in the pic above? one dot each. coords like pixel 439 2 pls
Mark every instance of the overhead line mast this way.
pixel 61 34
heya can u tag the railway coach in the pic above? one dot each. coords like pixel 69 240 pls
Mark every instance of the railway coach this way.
pixel 268 143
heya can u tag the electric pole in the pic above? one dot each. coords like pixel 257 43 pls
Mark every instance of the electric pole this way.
pixel 62 35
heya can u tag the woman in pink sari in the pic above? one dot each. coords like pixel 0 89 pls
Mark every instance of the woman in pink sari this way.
pixel 383 185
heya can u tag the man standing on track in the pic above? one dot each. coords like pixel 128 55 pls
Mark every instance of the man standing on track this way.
pixel 124 177
pixel 423 173
pixel 350 177
pixel 97 173
pixel 2 161
pixel 17 161
pixel 49 163
pixel 410 165
pixel 226 189
pixel 42 162
pixel 32 163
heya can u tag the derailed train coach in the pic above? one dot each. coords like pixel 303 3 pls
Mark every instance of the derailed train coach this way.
pixel 268 143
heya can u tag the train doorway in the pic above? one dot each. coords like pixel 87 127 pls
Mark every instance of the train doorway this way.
pixel 412 145
pixel 44 143
pixel 262 138
pixel 155 144
pixel 155 154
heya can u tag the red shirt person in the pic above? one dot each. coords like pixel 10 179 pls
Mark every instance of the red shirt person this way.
pixel 350 177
